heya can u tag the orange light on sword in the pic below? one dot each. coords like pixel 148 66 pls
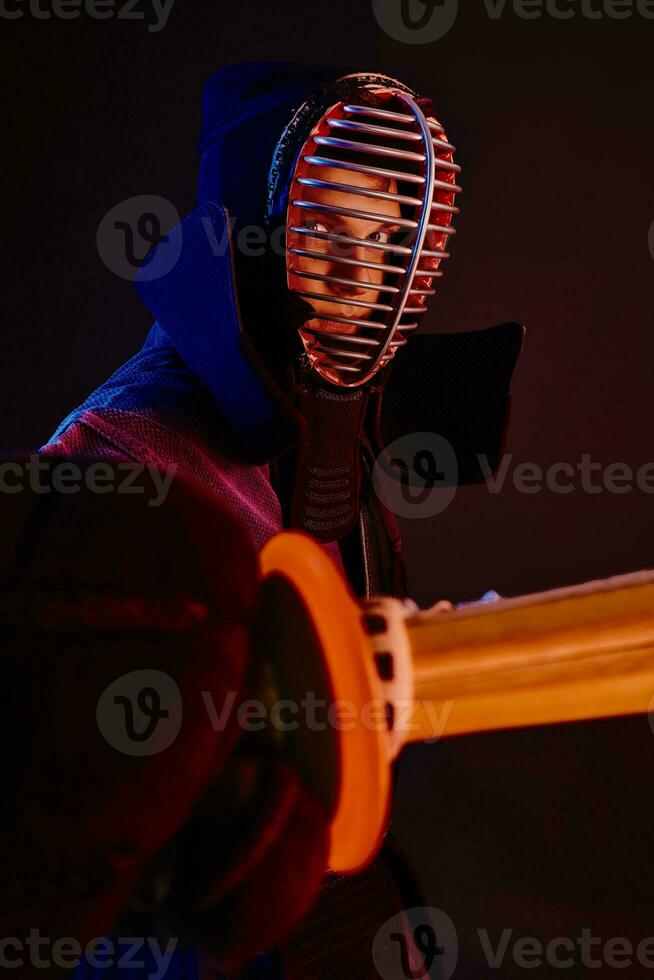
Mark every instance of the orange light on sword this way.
pixel 565 655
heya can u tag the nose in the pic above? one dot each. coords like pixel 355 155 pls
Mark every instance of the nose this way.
pixel 360 277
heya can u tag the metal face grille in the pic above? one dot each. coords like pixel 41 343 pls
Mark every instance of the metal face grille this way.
pixel 369 217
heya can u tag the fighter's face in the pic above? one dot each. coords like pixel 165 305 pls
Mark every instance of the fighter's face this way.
pixel 335 297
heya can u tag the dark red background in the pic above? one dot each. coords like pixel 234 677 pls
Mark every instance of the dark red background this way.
pixel 544 831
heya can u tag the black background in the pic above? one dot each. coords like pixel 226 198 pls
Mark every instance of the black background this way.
pixel 543 831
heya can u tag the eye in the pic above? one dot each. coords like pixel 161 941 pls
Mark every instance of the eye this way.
pixel 314 225
pixel 383 237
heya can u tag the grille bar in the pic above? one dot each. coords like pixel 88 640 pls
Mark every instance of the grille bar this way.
pixel 339 281
pixel 372 324
pixel 372 148
pixel 344 301
pixel 433 255
pixel 329 236
pixel 355 213
pixel 364 168
pixel 360 191
pixel 310 254
pixel 353 355
pixel 362 341
pixel 389 114
pixel 361 127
